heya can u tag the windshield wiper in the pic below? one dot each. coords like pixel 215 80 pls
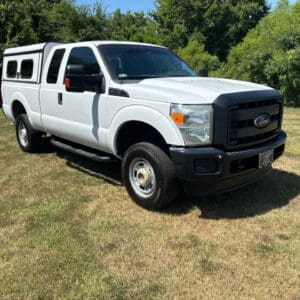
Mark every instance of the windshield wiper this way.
pixel 139 77
pixel 142 76
pixel 185 75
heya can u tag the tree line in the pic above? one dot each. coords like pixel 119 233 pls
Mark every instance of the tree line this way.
pixel 238 39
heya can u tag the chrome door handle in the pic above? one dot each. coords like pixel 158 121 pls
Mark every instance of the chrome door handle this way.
pixel 60 98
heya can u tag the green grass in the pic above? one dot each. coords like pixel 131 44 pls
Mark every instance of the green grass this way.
pixel 69 230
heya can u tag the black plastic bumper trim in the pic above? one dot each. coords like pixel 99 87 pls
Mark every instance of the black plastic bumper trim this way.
pixel 222 180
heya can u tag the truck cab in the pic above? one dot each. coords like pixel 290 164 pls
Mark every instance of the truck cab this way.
pixel 143 105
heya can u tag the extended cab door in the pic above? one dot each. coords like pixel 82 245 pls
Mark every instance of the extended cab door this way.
pixel 80 111
pixel 49 92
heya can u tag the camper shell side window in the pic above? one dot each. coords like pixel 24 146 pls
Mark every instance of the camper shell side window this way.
pixel 27 68
pixel 21 67
pixel 11 69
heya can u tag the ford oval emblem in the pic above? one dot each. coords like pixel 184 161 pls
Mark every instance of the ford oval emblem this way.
pixel 262 121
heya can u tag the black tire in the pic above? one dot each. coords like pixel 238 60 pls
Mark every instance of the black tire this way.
pixel 141 163
pixel 32 142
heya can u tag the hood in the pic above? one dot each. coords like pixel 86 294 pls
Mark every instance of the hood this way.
pixel 187 90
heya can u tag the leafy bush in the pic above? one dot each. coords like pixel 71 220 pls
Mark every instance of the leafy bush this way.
pixel 197 57
pixel 270 54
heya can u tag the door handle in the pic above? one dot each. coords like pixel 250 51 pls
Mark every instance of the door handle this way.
pixel 60 98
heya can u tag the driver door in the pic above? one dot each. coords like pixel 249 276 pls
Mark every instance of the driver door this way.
pixel 79 112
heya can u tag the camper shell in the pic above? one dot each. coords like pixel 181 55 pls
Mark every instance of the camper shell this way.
pixel 25 64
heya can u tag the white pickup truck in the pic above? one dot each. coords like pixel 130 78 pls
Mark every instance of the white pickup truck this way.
pixel 142 104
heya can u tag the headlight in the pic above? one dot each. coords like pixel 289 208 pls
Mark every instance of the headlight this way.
pixel 194 122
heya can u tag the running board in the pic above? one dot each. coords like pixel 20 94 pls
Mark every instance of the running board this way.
pixel 81 152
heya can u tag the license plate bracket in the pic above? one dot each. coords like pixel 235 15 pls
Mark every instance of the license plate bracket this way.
pixel 265 159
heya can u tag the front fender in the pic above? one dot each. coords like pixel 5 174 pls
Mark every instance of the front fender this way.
pixel 157 120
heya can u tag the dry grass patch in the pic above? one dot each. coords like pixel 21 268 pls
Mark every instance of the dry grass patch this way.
pixel 69 230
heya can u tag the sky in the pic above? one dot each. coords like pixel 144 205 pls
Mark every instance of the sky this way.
pixel 136 5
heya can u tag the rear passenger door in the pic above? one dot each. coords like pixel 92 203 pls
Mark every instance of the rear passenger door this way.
pixel 79 112
pixel 49 92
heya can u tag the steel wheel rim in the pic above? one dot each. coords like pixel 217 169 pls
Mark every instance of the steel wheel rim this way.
pixel 142 177
pixel 23 134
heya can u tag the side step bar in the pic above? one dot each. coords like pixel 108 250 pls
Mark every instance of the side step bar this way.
pixel 81 152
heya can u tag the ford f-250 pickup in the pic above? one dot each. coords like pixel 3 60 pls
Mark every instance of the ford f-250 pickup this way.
pixel 142 104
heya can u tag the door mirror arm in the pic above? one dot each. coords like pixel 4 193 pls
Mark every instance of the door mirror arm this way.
pixel 95 83
pixel 203 72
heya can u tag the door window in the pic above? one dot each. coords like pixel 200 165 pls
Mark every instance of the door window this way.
pixel 55 66
pixel 84 56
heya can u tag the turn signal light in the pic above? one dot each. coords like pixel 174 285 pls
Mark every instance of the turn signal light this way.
pixel 177 118
pixel 67 82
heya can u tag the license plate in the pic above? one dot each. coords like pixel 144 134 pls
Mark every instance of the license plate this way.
pixel 265 158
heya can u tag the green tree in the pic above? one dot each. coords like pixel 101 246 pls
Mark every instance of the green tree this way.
pixel 90 23
pixel 197 57
pixel 270 53
pixel 219 24
pixel 57 23
pixel 16 26
pixel 131 27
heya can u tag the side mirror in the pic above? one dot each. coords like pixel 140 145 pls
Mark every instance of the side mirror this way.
pixel 75 70
pixel 203 72
pixel 74 79
pixel 77 81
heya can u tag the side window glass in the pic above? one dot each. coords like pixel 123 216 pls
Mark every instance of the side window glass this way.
pixel 11 70
pixel 84 56
pixel 55 66
pixel 26 68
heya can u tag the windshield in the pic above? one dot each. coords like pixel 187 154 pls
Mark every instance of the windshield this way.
pixel 140 62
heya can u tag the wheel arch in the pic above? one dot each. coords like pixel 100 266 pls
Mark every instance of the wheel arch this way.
pixel 143 132
pixel 18 105
pixel 17 108
pixel 138 117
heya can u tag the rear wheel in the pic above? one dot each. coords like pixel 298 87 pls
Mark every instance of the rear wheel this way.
pixel 28 138
pixel 149 176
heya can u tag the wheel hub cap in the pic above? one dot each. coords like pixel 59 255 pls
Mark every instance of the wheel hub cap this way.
pixel 23 136
pixel 142 177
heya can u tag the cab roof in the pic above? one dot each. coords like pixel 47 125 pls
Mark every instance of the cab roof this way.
pixel 41 47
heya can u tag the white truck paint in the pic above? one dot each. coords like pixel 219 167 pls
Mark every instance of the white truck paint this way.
pixel 112 96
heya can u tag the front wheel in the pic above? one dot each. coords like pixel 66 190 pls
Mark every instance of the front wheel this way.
pixel 149 176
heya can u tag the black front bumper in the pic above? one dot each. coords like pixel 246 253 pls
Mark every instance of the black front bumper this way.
pixel 210 170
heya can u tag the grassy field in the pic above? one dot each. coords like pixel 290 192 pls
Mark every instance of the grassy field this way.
pixel 69 230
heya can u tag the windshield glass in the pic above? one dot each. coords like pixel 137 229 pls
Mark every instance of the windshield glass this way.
pixel 140 62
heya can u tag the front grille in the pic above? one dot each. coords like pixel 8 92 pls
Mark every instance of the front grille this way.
pixel 242 131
